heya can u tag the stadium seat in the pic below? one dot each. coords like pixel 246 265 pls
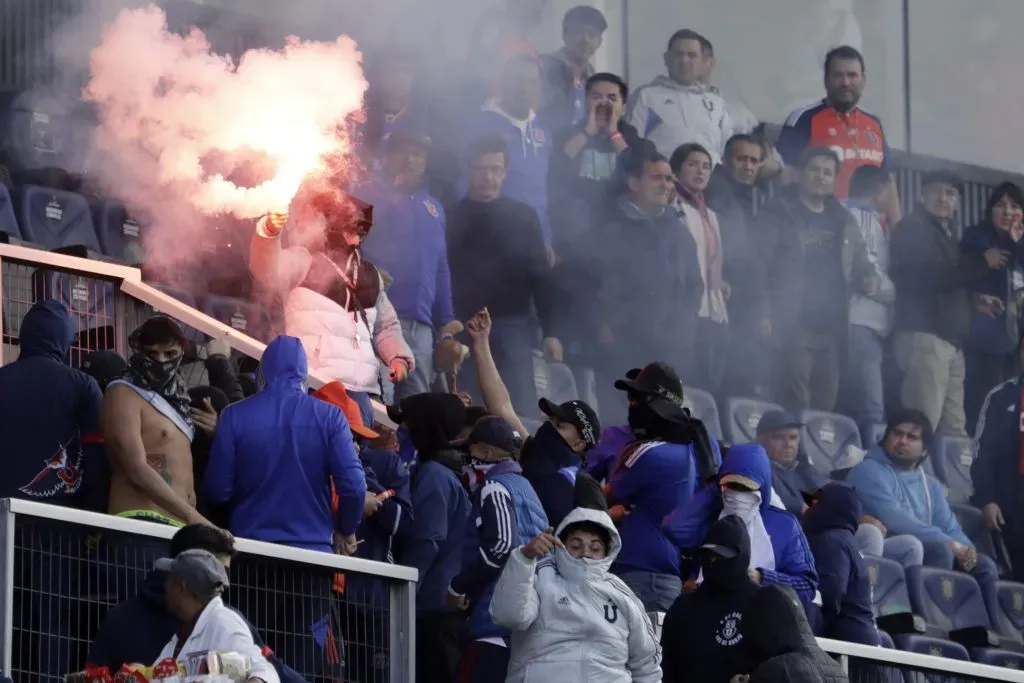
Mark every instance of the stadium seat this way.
pixel 54 219
pixel 1009 622
pixel 952 459
pixel 118 233
pixel 90 302
pixel 8 222
pixel 741 416
pixel 926 645
pixel 561 386
pixel 994 657
pixel 703 407
pixel 972 521
pixel 826 438
pixel 885 640
pixel 239 314
pixel 888 586
pixel 949 601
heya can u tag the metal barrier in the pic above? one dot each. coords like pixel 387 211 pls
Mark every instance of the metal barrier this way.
pixel 61 570
pixel 865 664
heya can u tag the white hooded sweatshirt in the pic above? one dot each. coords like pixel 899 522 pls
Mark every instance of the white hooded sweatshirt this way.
pixel 572 620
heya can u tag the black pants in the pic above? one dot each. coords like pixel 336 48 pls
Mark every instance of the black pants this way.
pixel 984 371
pixel 366 643
pixel 707 367
pixel 484 663
pixel 438 646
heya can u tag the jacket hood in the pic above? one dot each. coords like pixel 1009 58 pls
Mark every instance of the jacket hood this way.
pixel 728 573
pixel 750 460
pixel 283 365
pixel 774 623
pixel 494 107
pixel 46 330
pixel 837 507
pixel 579 569
pixel 433 421
pixel 664 81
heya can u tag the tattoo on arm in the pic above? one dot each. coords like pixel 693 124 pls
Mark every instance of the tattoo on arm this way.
pixel 158 461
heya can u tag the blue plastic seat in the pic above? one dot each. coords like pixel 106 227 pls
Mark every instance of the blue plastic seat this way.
pixel 953 458
pixel 54 219
pixel 119 235
pixel 703 407
pixel 90 301
pixel 245 316
pixel 741 416
pixel 1009 622
pixel 927 645
pixel 8 221
pixel 946 599
pixel 826 438
pixel 888 586
pixel 1007 659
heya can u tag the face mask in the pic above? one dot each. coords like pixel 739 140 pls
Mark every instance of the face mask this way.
pixel 548 437
pixel 642 420
pixel 156 375
pixel 743 504
pixel 474 472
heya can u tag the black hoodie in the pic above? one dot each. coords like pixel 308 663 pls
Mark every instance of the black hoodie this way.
pixel 778 637
pixel 701 639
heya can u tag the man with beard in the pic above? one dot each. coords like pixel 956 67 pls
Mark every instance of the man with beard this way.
pixel 701 638
pixel 147 424
pixel 334 301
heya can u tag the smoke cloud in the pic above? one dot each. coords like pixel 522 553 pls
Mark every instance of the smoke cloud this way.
pixel 186 135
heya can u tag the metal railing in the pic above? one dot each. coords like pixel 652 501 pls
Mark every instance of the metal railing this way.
pixel 864 663
pixel 62 570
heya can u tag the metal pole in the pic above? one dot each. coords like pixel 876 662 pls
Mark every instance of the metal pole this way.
pixel 402 645
pixel 6 586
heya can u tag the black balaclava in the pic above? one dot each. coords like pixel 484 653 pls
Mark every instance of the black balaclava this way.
pixel 726 574
pixel 433 421
pixel 162 378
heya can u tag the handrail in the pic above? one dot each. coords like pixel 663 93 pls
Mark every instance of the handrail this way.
pixel 129 282
pixel 915 659
pixel 329 561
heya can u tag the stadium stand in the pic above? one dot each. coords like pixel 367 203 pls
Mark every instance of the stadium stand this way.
pixel 952 461
pixel 741 416
pixel 827 438
pixel 55 219
pixel 119 234
pixel 703 406
pixel 8 221
pixel 951 604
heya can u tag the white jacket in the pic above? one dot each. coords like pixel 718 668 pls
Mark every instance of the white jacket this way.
pixel 222 629
pixel 669 114
pixel 573 621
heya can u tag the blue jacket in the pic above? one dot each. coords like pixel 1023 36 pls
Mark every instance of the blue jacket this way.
pixel 842 573
pixel 794 563
pixel 506 514
pixel 653 478
pixel 905 501
pixel 995 473
pixel 529 154
pixel 137 630
pixel 999 335
pixel 275 454
pixel 434 542
pixel 385 471
pixel 408 241
pixel 603 456
pixel 47 411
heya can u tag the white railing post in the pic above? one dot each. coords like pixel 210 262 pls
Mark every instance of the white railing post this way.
pixel 402 645
pixel 6 587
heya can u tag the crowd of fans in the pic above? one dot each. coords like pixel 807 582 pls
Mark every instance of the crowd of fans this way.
pixel 601 229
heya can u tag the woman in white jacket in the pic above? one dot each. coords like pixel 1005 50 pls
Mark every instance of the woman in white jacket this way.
pixel 572 620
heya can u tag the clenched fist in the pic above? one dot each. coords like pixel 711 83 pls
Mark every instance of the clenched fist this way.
pixel 275 223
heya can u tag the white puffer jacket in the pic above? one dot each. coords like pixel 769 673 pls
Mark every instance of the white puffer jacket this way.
pixel 337 342
pixel 572 620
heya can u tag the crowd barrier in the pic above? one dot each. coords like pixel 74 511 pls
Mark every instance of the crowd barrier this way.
pixel 865 664
pixel 61 570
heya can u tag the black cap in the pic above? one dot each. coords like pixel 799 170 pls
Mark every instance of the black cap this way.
pixel 655 379
pixel 495 431
pixel 585 15
pixel 578 414
pixel 725 537
pixel 407 138
pixel 103 366
pixel 777 419
pixel 945 176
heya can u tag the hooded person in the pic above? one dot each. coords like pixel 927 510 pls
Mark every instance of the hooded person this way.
pixel 780 642
pixel 654 475
pixel 779 553
pixel 571 618
pixel 830 524
pixel 435 538
pixel 701 636
pixel 334 300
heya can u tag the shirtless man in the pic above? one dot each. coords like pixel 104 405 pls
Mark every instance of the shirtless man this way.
pixel 147 424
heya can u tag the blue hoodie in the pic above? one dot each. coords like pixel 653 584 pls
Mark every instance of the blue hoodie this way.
pixel 408 241
pixel 653 478
pixel 529 154
pixel 905 501
pixel 47 412
pixel 843 575
pixel 794 563
pixel 275 454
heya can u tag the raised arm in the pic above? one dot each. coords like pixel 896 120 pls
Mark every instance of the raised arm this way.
pixel 495 394
pixel 269 262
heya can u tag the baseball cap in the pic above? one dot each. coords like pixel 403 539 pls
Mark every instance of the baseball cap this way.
pixel 495 431
pixel 777 419
pixel 660 381
pixel 739 480
pixel 578 414
pixel 720 550
pixel 336 394
pixel 199 570
pixel 103 366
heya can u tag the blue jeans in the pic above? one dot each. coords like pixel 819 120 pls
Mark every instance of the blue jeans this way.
pixel 512 343
pixel 939 554
pixel 656 591
pixel 865 397
pixel 420 338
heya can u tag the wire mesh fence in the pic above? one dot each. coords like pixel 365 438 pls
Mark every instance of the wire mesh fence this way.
pixel 872 671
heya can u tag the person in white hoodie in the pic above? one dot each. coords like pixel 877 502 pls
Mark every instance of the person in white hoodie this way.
pixel 678 108
pixel 334 301
pixel 571 618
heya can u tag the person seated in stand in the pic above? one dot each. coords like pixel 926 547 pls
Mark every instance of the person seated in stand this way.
pixel 334 301
pixel 571 618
